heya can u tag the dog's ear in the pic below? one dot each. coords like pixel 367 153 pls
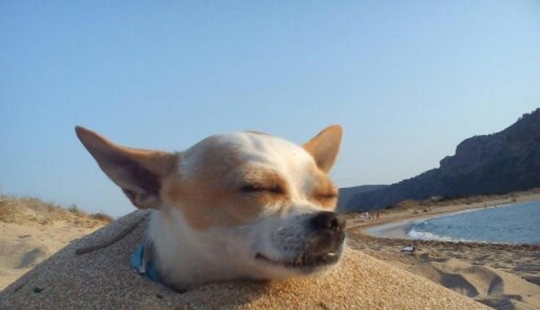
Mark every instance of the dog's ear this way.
pixel 140 173
pixel 325 147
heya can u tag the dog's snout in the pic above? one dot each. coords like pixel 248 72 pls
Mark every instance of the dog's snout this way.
pixel 327 233
pixel 327 220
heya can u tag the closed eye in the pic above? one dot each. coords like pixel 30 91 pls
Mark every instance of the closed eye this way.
pixel 258 188
pixel 328 196
pixel 327 200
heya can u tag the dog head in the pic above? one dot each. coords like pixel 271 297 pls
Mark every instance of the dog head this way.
pixel 235 205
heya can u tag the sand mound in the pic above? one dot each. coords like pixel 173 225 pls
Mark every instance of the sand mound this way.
pixel 484 280
pixel 103 278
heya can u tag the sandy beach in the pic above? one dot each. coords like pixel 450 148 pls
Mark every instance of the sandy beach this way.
pixel 103 279
pixel 500 276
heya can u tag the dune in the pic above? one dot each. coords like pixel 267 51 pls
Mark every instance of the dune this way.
pixel 24 246
pixel 104 279
pixel 32 230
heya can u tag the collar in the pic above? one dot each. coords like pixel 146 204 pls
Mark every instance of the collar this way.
pixel 141 260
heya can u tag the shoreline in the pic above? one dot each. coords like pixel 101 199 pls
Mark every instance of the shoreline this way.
pixel 402 215
pixel 393 230
pixel 401 229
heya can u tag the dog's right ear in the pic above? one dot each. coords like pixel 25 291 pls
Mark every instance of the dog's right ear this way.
pixel 140 173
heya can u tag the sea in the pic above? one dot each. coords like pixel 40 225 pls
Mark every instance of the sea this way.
pixel 517 223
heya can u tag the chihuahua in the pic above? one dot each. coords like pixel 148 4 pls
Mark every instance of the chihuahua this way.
pixel 244 205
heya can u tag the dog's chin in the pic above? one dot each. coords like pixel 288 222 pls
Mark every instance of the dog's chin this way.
pixel 304 264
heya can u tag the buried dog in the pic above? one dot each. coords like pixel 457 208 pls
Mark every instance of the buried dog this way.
pixel 242 205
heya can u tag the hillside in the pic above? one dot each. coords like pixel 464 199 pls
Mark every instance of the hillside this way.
pixel 346 193
pixel 489 164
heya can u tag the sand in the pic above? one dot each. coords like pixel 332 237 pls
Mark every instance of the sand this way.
pixel 103 279
pixel 501 276
pixel 374 274
pixel 24 246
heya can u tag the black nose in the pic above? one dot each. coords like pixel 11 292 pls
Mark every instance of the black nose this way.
pixel 327 220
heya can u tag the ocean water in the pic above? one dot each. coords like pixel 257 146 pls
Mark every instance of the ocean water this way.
pixel 511 224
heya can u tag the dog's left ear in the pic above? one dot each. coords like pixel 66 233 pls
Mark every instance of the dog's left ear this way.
pixel 140 173
pixel 325 147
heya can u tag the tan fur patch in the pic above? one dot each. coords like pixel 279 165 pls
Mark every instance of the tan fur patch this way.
pixel 214 197
pixel 324 193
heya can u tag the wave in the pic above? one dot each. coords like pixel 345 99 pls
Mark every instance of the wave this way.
pixel 424 235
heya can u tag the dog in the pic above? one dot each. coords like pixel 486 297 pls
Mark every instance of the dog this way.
pixel 244 205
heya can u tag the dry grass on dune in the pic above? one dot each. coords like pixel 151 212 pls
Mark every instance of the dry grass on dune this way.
pixel 30 210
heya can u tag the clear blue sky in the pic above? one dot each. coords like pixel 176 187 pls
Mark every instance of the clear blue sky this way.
pixel 407 80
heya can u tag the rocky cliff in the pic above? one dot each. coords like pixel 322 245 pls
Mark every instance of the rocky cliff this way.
pixel 491 164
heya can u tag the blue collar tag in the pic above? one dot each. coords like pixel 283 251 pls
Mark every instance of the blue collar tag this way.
pixel 141 261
